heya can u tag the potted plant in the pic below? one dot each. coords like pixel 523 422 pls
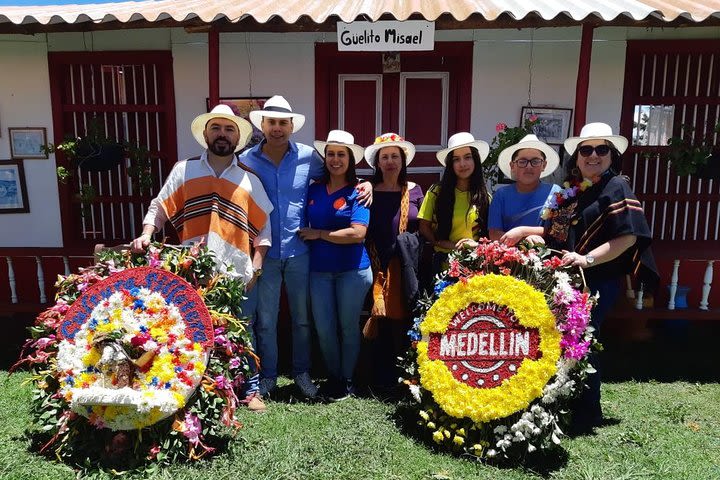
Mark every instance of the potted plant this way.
pixel 698 157
pixel 506 137
pixel 95 152
pixel 92 152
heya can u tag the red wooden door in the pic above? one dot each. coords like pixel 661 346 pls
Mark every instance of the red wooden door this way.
pixel 130 97
pixel 426 102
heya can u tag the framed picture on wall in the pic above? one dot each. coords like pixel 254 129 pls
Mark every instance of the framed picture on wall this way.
pixel 28 143
pixel 242 108
pixel 13 191
pixel 553 124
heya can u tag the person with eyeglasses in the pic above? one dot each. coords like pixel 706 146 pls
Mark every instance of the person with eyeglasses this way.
pixel 518 205
pixel 597 222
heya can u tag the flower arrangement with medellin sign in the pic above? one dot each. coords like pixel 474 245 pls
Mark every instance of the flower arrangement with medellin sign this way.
pixel 498 350
pixel 138 363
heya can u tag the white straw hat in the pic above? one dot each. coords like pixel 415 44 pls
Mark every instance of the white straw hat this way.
pixel 460 140
pixel 197 127
pixel 277 107
pixel 340 137
pixel 529 141
pixel 390 140
pixel 596 131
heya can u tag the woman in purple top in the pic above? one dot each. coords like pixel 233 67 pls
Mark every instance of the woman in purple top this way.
pixel 393 213
pixel 340 273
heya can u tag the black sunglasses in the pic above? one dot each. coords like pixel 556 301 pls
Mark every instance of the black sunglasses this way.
pixel 587 150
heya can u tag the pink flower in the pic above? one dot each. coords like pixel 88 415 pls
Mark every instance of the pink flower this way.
pixel 191 428
pixel 152 454
pixel 221 382
pixel 533 118
pixel 500 127
pixel 61 306
pixel 235 362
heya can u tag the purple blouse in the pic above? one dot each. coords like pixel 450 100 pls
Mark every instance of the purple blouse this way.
pixel 385 220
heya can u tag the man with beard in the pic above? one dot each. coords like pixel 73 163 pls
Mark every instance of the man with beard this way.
pixel 216 198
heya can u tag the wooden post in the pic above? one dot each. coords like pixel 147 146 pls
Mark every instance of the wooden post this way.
pixel 11 279
pixel 707 283
pixel 214 66
pixel 583 78
pixel 674 284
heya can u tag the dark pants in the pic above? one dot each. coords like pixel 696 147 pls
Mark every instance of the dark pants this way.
pixel 586 408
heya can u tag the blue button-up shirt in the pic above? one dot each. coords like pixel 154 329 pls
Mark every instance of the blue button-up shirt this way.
pixel 287 186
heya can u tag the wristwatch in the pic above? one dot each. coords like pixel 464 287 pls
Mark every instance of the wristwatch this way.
pixel 589 259
pixel 257 272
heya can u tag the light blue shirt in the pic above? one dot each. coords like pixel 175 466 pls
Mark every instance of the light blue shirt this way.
pixel 510 208
pixel 287 186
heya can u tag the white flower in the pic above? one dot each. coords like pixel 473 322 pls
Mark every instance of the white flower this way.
pixel 415 391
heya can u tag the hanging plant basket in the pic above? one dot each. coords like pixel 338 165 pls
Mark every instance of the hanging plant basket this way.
pixel 93 157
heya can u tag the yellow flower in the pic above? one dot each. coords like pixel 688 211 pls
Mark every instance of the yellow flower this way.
pixel 431 425
pixel 515 393
pixel 438 436
pixel 91 357
pixel 458 440
pixel 424 415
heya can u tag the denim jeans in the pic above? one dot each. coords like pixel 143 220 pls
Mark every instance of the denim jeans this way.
pixel 295 272
pixel 337 299
pixel 247 308
pixel 586 408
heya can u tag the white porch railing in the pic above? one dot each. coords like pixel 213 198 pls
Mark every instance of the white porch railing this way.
pixel 39 273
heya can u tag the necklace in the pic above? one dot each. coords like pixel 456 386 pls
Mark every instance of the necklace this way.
pixel 556 201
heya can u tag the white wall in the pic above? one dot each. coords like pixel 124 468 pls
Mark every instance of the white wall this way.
pixel 25 101
pixel 263 64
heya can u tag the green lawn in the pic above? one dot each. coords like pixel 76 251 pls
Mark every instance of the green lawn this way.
pixel 656 430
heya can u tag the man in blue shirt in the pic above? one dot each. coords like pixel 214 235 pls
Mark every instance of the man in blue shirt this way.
pixel 285 169
pixel 520 203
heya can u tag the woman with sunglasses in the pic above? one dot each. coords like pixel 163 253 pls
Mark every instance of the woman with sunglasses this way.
pixel 599 225
pixel 454 211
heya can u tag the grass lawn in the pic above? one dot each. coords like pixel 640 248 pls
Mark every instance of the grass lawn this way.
pixel 656 430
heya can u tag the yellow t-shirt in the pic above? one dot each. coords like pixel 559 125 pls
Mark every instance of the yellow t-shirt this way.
pixel 462 220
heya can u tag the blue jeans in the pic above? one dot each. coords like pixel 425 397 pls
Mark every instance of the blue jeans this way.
pixel 337 299
pixel 586 408
pixel 295 272
pixel 247 308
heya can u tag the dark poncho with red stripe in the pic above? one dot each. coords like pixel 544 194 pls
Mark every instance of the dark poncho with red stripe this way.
pixel 607 210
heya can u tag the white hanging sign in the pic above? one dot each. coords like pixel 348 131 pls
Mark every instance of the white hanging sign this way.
pixel 386 36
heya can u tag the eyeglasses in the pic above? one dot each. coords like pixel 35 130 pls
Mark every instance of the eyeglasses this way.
pixel 587 150
pixel 523 162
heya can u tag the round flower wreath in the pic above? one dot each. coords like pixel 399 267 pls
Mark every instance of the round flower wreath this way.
pixel 199 420
pixel 482 405
pixel 144 320
pixel 526 411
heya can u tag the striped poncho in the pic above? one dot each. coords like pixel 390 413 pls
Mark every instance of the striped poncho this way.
pixel 230 211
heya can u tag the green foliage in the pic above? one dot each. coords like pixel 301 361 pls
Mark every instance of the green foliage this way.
pixel 688 156
pixel 506 137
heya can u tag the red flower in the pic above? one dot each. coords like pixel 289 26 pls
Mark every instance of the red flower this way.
pixel 500 127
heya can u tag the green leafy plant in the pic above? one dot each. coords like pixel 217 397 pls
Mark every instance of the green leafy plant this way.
pixel 89 150
pixel 689 156
pixel 506 137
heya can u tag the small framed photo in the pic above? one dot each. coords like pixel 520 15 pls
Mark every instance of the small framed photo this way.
pixel 28 143
pixel 13 190
pixel 242 108
pixel 553 124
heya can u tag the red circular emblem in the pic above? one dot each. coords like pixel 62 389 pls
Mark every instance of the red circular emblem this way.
pixel 339 203
pixel 484 344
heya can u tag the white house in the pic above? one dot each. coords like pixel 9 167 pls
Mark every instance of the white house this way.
pixel 146 69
